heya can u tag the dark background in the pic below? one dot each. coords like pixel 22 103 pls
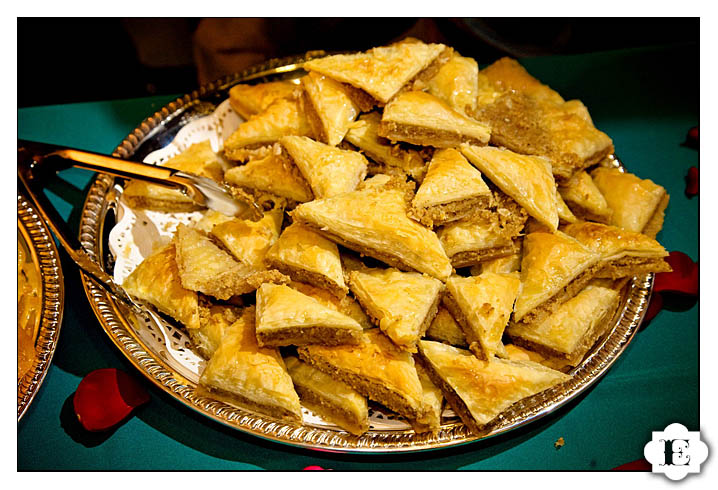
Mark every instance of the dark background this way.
pixel 64 60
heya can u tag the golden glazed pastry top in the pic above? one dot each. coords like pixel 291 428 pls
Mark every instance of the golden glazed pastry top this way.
pixel 550 262
pixel 333 107
pixel 304 248
pixel 274 174
pixel 486 302
pixel 157 281
pixel 375 220
pixel 329 170
pixel 613 242
pixel 633 200
pixel 241 367
pixel 527 179
pixel 581 191
pixel 568 326
pixel 279 307
pixel 457 83
pixel 470 235
pixel 381 71
pixel 449 178
pixel 248 100
pixel 488 387
pixel 400 301
pixel 423 110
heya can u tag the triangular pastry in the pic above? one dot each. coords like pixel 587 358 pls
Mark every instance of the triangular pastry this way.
pixel 402 304
pixel 451 189
pixel 444 328
pixel 571 330
pixel 472 241
pixel 554 268
pixel 248 241
pixel 214 320
pixel 624 253
pixel 456 83
pixel 507 263
pixel 565 215
pixel 386 157
pixel 527 179
pixel 346 304
pixel 157 280
pixel 374 222
pixel 273 174
pixel 381 72
pixel 482 306
pixel 328 170
pixel 287 317
pixel 376 368
pixel 529 117
pixel 432 400
pixel 243 373
pixel 637 204
pixel 198 159
pixel 334 400
pixel 328 107
pixel 248 100
pixel 283 117
pixel 584 199
pixel 205 267
pixel 509 76
pixel 478 391
pixel 307 256
pixel 423 119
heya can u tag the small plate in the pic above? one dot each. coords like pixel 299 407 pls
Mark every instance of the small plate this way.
pixel 163 354
pixel 41 266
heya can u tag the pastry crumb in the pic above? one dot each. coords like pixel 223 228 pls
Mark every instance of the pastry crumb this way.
pixel 559 443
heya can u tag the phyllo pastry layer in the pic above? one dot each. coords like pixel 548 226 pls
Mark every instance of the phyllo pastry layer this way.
pixel 624 253
pixel 214 321
pixel 554 268
pixel 479 390
pixel 273 174
pixel 248 100
pixel 444 328
pixel 329 170
pixel 328 107
pixel 287 317
pixel 527 179
pixel 374 222
pixel 451 190
pixel 243 373
pixel 334 400
pixel 584 199
pixel 207 268
pixel 457 83
pixel 283 117
pixel 423 119
pixel 157 281
pixel 402 304
pixel 482 306
pixel 637 204
pixel 376 368
pixel 571 330
pixel 380 72
pixel 307 256
pixel 386 157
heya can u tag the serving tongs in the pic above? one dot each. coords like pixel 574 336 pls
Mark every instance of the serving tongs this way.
pixel 38 162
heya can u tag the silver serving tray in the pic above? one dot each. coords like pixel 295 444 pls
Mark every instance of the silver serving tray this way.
pixel 43 251
pixel 157 131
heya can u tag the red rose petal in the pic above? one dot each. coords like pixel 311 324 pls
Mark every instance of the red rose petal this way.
pixel 654 307
pixel 638 465
pixel 313 468
pixel 692 182
pixel 683 279
pixel 692 136
pixel 105 397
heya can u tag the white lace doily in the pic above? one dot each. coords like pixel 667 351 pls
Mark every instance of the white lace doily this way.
pixel 138 232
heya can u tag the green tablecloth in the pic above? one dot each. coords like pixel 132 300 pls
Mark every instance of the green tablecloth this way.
pixel 645 103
